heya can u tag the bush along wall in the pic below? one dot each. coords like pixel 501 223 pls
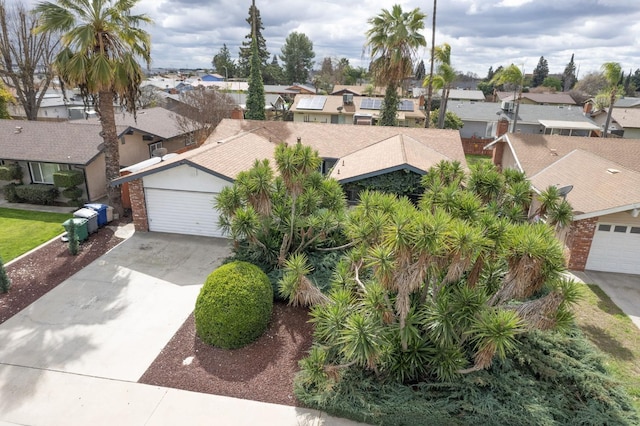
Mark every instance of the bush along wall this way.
pixel 36 193
pixel 11 172
pixel 69 181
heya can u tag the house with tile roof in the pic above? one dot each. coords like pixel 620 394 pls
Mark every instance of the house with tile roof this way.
pixel 602 177
pixel 176 195
pixel 42 147
pixel 350 109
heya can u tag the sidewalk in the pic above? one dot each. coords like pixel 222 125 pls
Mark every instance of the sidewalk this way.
pixel 36 207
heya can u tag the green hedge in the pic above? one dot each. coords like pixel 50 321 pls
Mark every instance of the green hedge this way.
pixel 10 193
pixel 234 305
pixel 11 172
pixel 72 193
pixel 68 178
pixel 36 193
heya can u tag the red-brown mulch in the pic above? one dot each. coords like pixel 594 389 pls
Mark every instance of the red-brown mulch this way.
pixel 262 371
pixel 39 272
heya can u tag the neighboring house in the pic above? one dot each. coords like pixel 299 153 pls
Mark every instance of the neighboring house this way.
pixel 177 195
pixel 359 90
pixel 54 107
pixel 455 95
pixel 303 89
pixel 350 109
pixel 42 148
pixel 285 92
pixel 152 129
pixel 627 102
pixel 605 195
pixel 212 77
pixel 625 122
pixel 272 102
pixel 480 119
pixel 528 98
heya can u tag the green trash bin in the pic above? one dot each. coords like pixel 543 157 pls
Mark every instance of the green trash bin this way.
pixel 81 227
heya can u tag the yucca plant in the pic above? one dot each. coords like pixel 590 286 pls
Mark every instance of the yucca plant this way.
pixel 296 287
pixel 494 333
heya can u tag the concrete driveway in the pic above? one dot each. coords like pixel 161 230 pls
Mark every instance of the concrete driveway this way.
pixel 623 289
pixel 112 318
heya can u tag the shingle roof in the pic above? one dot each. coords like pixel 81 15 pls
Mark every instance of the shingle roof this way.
pixel 527 114
pixel 627 102
pixel 535 152
pixel 236 144
pixel 397 152
pixel 599 185
pixel 628 118
pixel 52 142
pixel 334 102
pixel 358 90
pixel 155 121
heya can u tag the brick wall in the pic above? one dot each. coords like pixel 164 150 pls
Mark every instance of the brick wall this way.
pixel 138 206
pixel 579 242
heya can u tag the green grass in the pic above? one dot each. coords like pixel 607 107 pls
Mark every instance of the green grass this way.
pixel 475 159
pixel 23 230
pixel 615 335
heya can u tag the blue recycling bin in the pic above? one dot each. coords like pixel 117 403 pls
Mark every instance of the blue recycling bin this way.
pixel 91 216
pixel 101 209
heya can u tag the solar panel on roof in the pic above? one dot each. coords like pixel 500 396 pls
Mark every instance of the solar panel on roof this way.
pixel 315 103
pixel 370 103
pixel 405 105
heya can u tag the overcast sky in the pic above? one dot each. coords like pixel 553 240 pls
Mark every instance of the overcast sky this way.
pixel 482 33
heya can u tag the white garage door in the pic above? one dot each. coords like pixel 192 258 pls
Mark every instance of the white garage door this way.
pixel 182 212
pixel 615 248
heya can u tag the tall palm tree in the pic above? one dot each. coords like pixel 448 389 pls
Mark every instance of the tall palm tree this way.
pixel 393 39
pixel 433 52
pixel 511 75
pixel 101 44
pixel 443 79
pixel 611 72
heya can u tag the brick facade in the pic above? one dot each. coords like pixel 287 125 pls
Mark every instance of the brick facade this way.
pixel 579 242
pixel 138 206
pixel 473 146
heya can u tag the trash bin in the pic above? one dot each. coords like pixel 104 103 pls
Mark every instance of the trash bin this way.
pixel 109 213
pixel 81 227
pixel 101 209
pixel 91 216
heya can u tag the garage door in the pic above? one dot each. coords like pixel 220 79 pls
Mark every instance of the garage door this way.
pixel 182 212
pixel 615 248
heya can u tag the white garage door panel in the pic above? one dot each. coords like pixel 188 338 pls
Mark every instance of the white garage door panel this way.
pixel 182 212
pixel 615 251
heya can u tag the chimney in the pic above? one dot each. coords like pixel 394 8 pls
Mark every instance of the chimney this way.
pixel 498 152
pixel 237 114
pixel 588 107
pixel 503 127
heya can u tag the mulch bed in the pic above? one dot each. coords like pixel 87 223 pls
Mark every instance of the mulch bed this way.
pixel 262 371
pixel 39 272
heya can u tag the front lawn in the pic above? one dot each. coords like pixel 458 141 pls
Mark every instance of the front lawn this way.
pixel 617 337
pixel 23 230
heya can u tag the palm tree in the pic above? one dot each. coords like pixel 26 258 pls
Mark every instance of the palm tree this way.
pixel 513 76
pixel 393 39
pixel 101 44
pixel 611 72
pixel 443 79
pixel 433 53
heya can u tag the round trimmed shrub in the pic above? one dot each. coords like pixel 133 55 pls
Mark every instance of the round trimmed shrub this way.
pixel 234 306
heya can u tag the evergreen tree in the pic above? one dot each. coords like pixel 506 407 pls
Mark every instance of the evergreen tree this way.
pixel 490 74
pixel 540 72
pixel 273 72
pixel 255 98
pixel 5 99
pixel 72 235
pixel 635 78
pixel 223 64
pixel 5 281
pixel 297 55
pixel 569 76
pixel 421 71
pixel 244 57
pixel 389 107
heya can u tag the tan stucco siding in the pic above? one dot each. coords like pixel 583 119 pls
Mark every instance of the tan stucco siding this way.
pixel 96 178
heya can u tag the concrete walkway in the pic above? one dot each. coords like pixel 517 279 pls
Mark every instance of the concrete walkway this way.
pixel 74 356
pixel 35 207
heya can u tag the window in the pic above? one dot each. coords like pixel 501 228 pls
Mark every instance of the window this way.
pixel 620 228
pixel 635 230
pixel 605 228
pixel 43 172
pixel 154 146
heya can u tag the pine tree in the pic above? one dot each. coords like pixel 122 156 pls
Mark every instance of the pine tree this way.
pixel 5 281
pixel 540 72
pixel 223 64
pixel 569 76
pixel 244 57
pixel 490 74
pixel 389 107
pixel 421 71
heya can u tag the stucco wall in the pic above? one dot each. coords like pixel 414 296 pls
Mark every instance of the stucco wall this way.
pixel 133 150
pixel 185 178
pixel 96 178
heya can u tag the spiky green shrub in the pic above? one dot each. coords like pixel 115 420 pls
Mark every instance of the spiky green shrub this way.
pixel 11 172
pixel 234 305
pixel 68 178
pixel 36 193
pixel 5 281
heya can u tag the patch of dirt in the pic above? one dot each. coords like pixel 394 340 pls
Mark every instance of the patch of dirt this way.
pixel 262 371
pixel 39 272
